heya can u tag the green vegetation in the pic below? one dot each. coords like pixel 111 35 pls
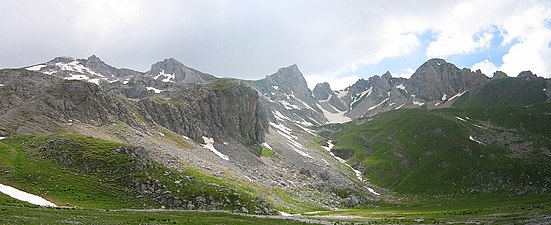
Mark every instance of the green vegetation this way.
pixel 266 152
pixel 505 92
pixel 483 210
pixel 75 170
pixel 223 84
pixel 36 215
pixel 429 153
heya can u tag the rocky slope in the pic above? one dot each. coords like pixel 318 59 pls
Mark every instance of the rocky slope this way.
pixel 222 127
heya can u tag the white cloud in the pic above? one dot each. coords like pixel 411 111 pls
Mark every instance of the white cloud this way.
pixel 336 83
pixel 405 73
pixel 531 36
pixel 487 67
pixel 249 39
pixel 458 43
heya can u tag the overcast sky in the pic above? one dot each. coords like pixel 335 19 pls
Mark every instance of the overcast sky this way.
pixel 334 41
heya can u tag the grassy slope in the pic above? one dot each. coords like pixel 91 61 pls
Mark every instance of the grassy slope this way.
pixel 75 170
pixel 35 215
pixel 505 92
pixel 416 151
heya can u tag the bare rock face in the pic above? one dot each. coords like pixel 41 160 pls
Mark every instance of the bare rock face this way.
pixel 436 78
pixel 231 111
pixel 527 75
pixel 499 75
pixel 172 71
pixel 95 64
pixel 324 94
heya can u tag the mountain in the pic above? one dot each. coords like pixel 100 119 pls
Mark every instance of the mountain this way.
pixel 435 84
pixel 179 138
pixel 222 127
pixel 172 71
pixel 455 152
pixel 523 90
pixel 92 69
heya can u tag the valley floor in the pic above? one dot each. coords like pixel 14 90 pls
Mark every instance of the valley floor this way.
pixel 523 210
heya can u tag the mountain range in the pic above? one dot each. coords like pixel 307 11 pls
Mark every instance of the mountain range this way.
pixel 258 146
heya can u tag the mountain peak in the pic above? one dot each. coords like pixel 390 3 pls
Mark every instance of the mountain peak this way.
pixel 435 62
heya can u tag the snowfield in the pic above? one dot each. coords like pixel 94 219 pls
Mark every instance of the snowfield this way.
pixel 24 196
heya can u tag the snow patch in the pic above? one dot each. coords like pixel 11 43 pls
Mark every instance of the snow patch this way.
pixel 36 68
pixel 168 77
pixel 288 105
pixel 276 87
pixel 444 97
pixel 418 103
pixel 266 145
pixel 403 87
pixel 76 66
pixel 373 191
pixel 2 138
pixel 436 104
pixel 157 91
pixel 477 141
pixel 125 81
pixel 286 133
pixel 457 95
pixel 279 116
pixel 342 93
pixel 338 117
pixel 330 146
pixel 366 93
pixel 24 196
pixel 77 77
pixel 459 118
pixel 380 103
pixel 210 146
pixel 1 85
pixel 400 106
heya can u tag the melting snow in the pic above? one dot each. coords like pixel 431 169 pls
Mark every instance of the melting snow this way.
pixel 168 77
pixel 266 145
pixel 400 106
pixel 77 67
pixel 125 81
pixel 24 196
pixel 77 77
pixel 403 87
pixel 36 68
pixel 335 117
pixel 373 191
pixel 457 95
pixel 210 146
pixel 329 147
pixel 413 96
pixel 436 104
pixel 288 105
pixel 95 81
pixel 286 132
pixel 157 91
pixel 366 93
pixel 2 138
pixel 276 87
pixel 1 85
pixel 380 103
pixel 418 103
pixel 279 116
pixel 459 118
pixel 444 97
pixel 477 141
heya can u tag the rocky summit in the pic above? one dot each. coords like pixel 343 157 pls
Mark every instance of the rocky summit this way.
pixel 175 137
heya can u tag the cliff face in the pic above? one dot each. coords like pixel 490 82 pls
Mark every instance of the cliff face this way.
pixel 223 109
pixel 213 111
pixel 436 78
